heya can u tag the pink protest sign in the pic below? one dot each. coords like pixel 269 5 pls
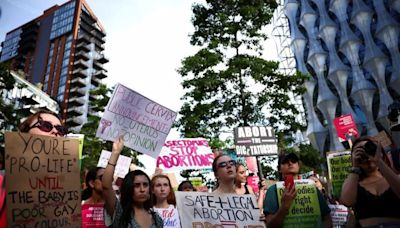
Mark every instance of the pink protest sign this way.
pixel 92 216
pixel 185 154
pixel 253 182
pixel 144 123
pixel 345 127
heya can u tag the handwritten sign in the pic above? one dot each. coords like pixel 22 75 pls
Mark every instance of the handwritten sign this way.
pixel 93 216
pixel 185 154
pixel 143 123
pixel 123 163
pixel 255 141
pixel 170 216
pixel 43 181
pixel 338 166
pixel 305 207
pixel 339 215
pixel 201 210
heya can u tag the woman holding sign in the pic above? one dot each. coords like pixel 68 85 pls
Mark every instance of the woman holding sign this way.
pixel 164 200
pixel 372 187
pixel 135 208
pixel 225 173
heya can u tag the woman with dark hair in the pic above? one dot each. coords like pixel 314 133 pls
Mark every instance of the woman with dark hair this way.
pixel 134 210
pixel 186 186
pixel 225 173
pixel 372 188
pixel 164 201
pixel 93 201
pixel 241 180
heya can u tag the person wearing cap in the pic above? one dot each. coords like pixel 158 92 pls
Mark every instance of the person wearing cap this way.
pixel 288 164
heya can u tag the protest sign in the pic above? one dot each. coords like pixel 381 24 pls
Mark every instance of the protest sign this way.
pixel 143 123
pixel 123 163
pixel 203 210
pixel 305 208
pixel 383 139
pixel 253 182
pixel 339 215
pixel 185 154
pixel 43 181
pixel 345 127
pixel 170 216
pixel 93 215
pixel 196 181
pixel 255 141
pixel 338 166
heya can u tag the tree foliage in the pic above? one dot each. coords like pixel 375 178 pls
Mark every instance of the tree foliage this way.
pixel 227 83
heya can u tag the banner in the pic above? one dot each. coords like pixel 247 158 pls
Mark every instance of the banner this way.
pixel 338 166
pixel 255 141
pixel 345 127
pixel 305 208
pixel 185 154
pixel 203 210
pixel 43 181
pixel 93 216
pixel 339 215
pixel 143 123
pixel 123 163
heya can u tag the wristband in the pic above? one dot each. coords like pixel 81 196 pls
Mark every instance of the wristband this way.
pixel 356 170
pixel 111 164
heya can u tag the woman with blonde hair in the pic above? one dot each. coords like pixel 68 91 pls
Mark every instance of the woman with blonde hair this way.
pixel 164 201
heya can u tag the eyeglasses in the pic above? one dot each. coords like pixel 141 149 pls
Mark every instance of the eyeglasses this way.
pixel 46 126
pixel 224 164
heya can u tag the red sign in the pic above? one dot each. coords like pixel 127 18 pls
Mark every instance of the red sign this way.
pixel 345 127
pixel 253 182
pixel 92 216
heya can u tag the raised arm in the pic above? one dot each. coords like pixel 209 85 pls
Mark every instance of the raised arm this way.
pixel 108 192
pixel 387 172
pixel 348 195
pixel 276 220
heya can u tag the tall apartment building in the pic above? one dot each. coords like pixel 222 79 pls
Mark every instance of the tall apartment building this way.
pixel 63 51
pixel 351 50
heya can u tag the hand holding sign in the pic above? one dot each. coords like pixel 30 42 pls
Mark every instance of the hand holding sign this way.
pixel 288 196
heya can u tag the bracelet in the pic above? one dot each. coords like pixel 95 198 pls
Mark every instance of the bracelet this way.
pixel 111 164
pixel 355 170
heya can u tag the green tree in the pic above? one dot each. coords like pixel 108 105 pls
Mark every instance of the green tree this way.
pixel 227 83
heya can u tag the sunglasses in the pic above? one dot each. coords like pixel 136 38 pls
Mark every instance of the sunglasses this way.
pixel 46 126
pixel 287 160
pixel 224 164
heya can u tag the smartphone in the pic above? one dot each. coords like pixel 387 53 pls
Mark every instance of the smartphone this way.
pixel 289 181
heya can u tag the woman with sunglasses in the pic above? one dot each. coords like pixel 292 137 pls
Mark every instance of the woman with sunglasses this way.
pixel 134 210
pixel 224 168
pixel 164 200
pixel 93 201
pixel 372 188
pixel 241 180
pixel 44 123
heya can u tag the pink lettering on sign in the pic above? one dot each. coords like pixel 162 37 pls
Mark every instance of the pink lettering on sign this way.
pixel 104 123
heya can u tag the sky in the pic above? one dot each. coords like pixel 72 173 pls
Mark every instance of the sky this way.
pixel 145 42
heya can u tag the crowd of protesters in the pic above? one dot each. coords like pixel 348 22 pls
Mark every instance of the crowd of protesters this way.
pixel 371 190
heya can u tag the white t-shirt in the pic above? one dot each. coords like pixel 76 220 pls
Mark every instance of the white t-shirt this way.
pixel 170 216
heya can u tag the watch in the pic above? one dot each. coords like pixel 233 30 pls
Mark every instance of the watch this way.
pixel 356 170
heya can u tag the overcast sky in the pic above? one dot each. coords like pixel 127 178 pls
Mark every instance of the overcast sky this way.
pixel 145 42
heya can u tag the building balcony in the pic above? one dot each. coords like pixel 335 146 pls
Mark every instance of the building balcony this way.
pixel 95 81
pixel 78 82
pixel 75 111
pixel 80 73
pixel 82 47
pixel 93 97
pixel 84 38
pixel 103 59
pixel 77 92
pixel 75 121
pixel 100 74
pixel 81 64
pixel 86 27
pixel 76 101
pixel 81 55
pixel 98 66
